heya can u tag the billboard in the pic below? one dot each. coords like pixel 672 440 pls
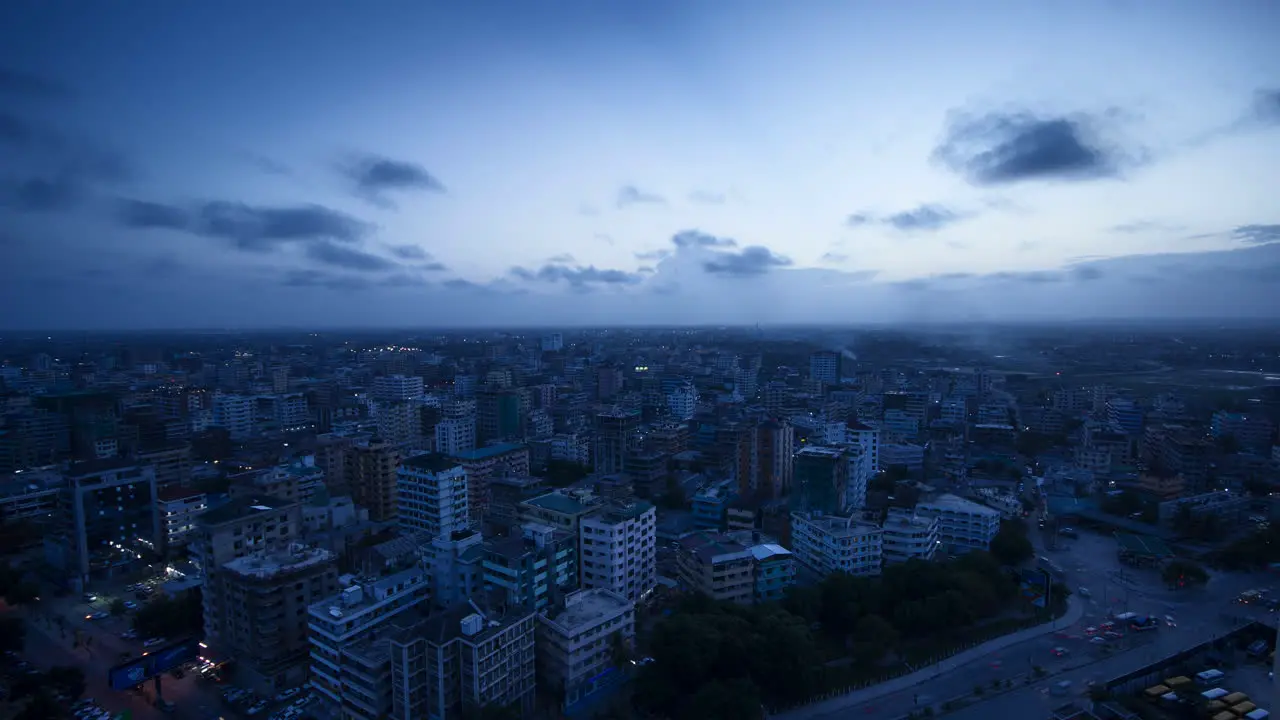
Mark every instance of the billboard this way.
pixel 157 662
pixel 1035 587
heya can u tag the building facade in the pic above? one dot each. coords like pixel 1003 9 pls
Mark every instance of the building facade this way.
pixel 828 544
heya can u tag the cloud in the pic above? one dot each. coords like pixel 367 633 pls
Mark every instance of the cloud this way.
pixel 1266 106
pixel 409 252
pixel 460 284
pixel 703 197
pixel 833 257
pixel 1087 272
pixel 374 176
pixel 42 195
pixel 329 253
pixel 1142 226
pixel 267 165
pixel 434 267
pixel 561 259
pixel 19 84
pixel 1257 234
pixel 695 238
pixel 631 195
pixel 577 277
pixel 328 281
pixel 653 255
pixel 926 217
pixel 750 261
pixel 248 227
pixel 858 220
pixel 1004 148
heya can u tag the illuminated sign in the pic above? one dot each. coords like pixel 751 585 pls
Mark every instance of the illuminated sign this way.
pixel 139 670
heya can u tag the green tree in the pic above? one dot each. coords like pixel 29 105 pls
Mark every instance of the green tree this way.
pixel 736 699
pixel 171 617
pixel 13 633
pixel 874 637
pixel 1010 545
pixel 67 679
pixel 1181 572
pixel 42 706
pixel 117 606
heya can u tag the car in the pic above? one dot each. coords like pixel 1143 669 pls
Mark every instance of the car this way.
pixel 129 635
pixel 1112 634
pixel 1060 652
pixel 90 598
pixel 130 605
pixel 255 709
pixel 1091 631
pixel 1084 592
pixel 152 642
pixel 303 701
pixel 287 694
pixel 100 615
pixel 1168 620
pixel 1098 640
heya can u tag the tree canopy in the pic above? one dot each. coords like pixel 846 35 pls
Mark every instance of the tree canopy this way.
pixel 1184 573
pixel 1011 546
pixel 171 617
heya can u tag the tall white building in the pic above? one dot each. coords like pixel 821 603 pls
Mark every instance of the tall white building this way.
pixel 909 536
pixel 235 413
pixel 399 421
pixel 553 342
pixel 824 366
pixel 431 495
pixel 831 543
pixel 575 642
pixel 869 438
pixel 397 388
pixel 962 524
pixel 683 401
pixel 617 549
pixel 860 475
pixel 291 411
pixel 455 436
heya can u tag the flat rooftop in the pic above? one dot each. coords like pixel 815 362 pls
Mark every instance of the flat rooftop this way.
pixel 241 508
pixel 269 564
pixel 709 545
pixel 947 501
pixel 558 502
pixel 486 453
pixel 373 591
pixel 429 462
pixel 837 525
pixel 586 608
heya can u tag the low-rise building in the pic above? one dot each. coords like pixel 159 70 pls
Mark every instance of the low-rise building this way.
pixel 963 525
pixel 618 549
pixel 827 544
pixel 534 567
pixel 577 643
pixel 909 536
pixel 717 566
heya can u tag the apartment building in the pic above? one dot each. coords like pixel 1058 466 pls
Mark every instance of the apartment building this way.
pixel 338 624
pixel 432 495
pixel 827 544
pixel 909 536
pixel 533 567
pixel 456 435
pixel 963 525
pixel 483 463
pixel 264 620
pixel 178 508
pixel 293 482
pixel 559 509
pixel 717 566
pixel 617 549
pixel 821 479
pixel 576 643
pixel 397 388
pixel 235 414
pixel 370 470
pixel 476 660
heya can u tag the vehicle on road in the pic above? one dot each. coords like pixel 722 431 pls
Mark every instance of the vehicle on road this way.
pixel 90 598
pixel 1098 640
pixel 100 615
pixel 1142 623
pixel 1084 592
pixel 1168 620
pixel 1061 652
pixel 1113 635
pixel 130 605
pixel 152 642
pixel 1091 631
pixel 287 694
pixel 259 707
pixel 129 635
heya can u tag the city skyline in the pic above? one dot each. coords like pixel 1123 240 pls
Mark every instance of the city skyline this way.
pixel 609 163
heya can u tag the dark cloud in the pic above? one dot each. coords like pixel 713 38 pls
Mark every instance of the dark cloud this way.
pixel 577 277
pixel 40 195
pixel 1000 148
pixel 349 258
pixel 695 238
pixel 267 165
pixel 653 255
pixel 858 220
pixel 374 176
pixel 632 195
pixel 409 252
pixel 1266 106
pixel 404 280
pixel 926 217
pixel 18 84
pixel 144 215
pixel 434 267
pixel 1087 272
pixel 1257 234
pixel 561 259
pixel 833 257
pixel 703 197
pixel 328 281
pixel 1034 277
pixel 460 284
pixel 750 261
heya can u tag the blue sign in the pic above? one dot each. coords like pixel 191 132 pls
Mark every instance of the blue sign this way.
pixel 140 670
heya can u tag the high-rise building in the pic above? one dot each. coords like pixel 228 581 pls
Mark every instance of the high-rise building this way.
pixel 178 508
pixel 617 549
pixel 399 422
pixel 576 643
pixel 534 566
pixel 963 525
pixel 455 435
pixel 552 342
pixel 775 453
pixel 821 480
pixel 370 470
pixel 106 521
pixel 235 414
pixel 499 415
pixel 717 566
pixel 824 367
pixel 280 380
pixel 432 495
pixel 682 402
pixel 397 388
pixel 476 660
pixel 614 430
pixel 910 537
pixel 483 463
pixel 265 628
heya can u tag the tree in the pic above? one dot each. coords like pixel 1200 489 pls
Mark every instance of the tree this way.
pixel 42 706
pixel 117 606
pixel 67 679
pixel 1010 545
pixel 1184 573
pixel 724 700
pixel 13 633
pixel 619 650
pixel 171 617
pixel 873 638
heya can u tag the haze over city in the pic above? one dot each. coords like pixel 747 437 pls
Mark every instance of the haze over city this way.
pixel 300 164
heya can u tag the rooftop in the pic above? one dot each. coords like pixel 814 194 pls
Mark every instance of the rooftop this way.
pixel 586 608
pixel 558 502
pixel 709 546
pixel 268 564
pixel 769 551
pixel 485 453
pixel 374 591
pixel 820 451
pixel 429 462
pixel 623 511
pixel 837 525
pixel 240 508
pixel 177 492
pixel 947 501
pixel 445 627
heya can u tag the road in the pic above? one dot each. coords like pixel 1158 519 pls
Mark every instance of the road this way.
pixel 1088 562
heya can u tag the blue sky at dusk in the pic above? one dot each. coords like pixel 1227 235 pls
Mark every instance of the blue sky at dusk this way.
pixel 238 163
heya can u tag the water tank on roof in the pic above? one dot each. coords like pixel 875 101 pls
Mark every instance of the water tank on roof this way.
pixel 472 624
pixel 353 595
pixel 335 612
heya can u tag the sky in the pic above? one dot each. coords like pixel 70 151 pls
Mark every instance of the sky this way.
pixel 572 162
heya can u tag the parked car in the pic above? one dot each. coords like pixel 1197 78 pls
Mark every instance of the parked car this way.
pixel 287 694
pixel 152 642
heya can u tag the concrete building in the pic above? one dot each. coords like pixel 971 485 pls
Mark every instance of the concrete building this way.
pixel 561 510
pixel 827 544
pixel 775 571
pixel 824 367
pixel 399 423
pixel 292 412
pixel 455 435
pixel 178 508
pixel 370 470
pixel 1228 509
pixel 717 566
pixel 172 463
pixel 910 536
pixel 963 525
pixel 617 549
pixel 576 643
pixel 338 624
pixel 237 529
pixel 682 402
pixel 483 463
pixel 535 568
pixel 264 626
pixel 432 495
pixel 821 480
pixel 474 660
pixel 397 388
pixel 235 414
pixel 295 482
pixel 612 440
pixel 106 523
pixel 869 439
